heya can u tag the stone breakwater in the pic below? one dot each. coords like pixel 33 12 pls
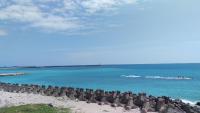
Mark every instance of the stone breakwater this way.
pixel 128 100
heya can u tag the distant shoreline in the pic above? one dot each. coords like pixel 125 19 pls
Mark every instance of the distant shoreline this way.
pixel 96 65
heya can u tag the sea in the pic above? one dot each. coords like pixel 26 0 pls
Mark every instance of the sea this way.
pixel 178 81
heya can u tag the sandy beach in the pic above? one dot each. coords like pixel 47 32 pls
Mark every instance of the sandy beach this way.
pixel 15 99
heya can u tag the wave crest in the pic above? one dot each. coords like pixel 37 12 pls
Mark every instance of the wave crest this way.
pixel 11 74
pixel 168 78
pixel 189 102
pixel 130 76
pixel 159 77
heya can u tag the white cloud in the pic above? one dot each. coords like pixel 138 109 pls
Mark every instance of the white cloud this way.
pixel 93 6
pixel 61 15
pixel 3 32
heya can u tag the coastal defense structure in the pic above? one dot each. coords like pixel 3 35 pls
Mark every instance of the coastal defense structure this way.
pixel 128 100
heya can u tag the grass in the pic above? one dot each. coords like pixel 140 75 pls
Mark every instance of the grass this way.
pixel 36 108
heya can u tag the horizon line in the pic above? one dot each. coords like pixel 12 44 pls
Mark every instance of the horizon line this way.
pixel 79 65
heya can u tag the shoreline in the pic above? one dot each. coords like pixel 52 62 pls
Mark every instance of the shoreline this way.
pixel 82 65
pixel 122 101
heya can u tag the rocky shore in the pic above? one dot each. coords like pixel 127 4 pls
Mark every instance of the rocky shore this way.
pixel 127 100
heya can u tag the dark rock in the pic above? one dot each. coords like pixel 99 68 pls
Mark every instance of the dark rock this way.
pixel 130 103
pixel 127 107
pixel 149 107
pixel 99 103
pixel 143 110
pixel 117 101
pixel 198 103
pixel 50 105
pixel 160 104
pixel 141 99
pixel 173 110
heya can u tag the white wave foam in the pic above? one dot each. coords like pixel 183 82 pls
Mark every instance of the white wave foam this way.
pixel 11 74
pixel 131 76
pixel 159 77
pixel 168 78
pixel 189 102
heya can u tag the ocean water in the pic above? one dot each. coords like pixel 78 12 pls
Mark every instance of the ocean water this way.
pixel 174 80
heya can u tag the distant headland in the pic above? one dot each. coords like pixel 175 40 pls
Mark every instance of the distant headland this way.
pixel 96 65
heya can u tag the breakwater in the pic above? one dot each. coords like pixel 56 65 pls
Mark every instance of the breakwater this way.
pixel 128 100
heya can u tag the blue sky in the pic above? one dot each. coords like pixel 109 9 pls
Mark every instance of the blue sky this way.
pixel 73 32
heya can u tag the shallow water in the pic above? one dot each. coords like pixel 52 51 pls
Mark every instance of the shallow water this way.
pixel 174 80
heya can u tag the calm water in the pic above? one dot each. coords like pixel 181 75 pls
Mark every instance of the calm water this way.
pixel 174 80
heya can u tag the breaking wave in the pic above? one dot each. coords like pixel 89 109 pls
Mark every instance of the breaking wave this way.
pixel 158 77
pixel 189 102
pixel 130 76
pixel 168 78
pixel 11 74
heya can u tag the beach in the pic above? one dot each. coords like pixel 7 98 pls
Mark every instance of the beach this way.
pixel 14 99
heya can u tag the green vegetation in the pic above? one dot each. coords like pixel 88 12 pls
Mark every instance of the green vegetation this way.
pixel 37 108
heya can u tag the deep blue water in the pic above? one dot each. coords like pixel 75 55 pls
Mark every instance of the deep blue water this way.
pixel 175 80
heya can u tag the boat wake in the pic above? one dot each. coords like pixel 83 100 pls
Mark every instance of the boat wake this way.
pixel 168 78
pixel 158 77
pixel 11 74
pixel 130 76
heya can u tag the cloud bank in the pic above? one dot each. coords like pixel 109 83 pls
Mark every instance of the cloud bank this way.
pixel 59 15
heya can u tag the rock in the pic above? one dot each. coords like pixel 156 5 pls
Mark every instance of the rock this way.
pixel 117 101
pixel 99 95
pixel 160 104
pixel 173 110
pixel 131 104
pixel 197 109
pixel 99 103
pixel 113 105
pixel 187 108
pixel 127 107
pixel 163 109
pixel 82 96
pixel 140 100
pixel 50 105
pixel 143 110
pixel 128 100
pixel 149 107
pixel 198 103
pixel 104 100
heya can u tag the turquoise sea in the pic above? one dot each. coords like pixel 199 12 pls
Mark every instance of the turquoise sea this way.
pixel 175 80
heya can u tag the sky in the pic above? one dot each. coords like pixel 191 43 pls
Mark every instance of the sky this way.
pixel 87 32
